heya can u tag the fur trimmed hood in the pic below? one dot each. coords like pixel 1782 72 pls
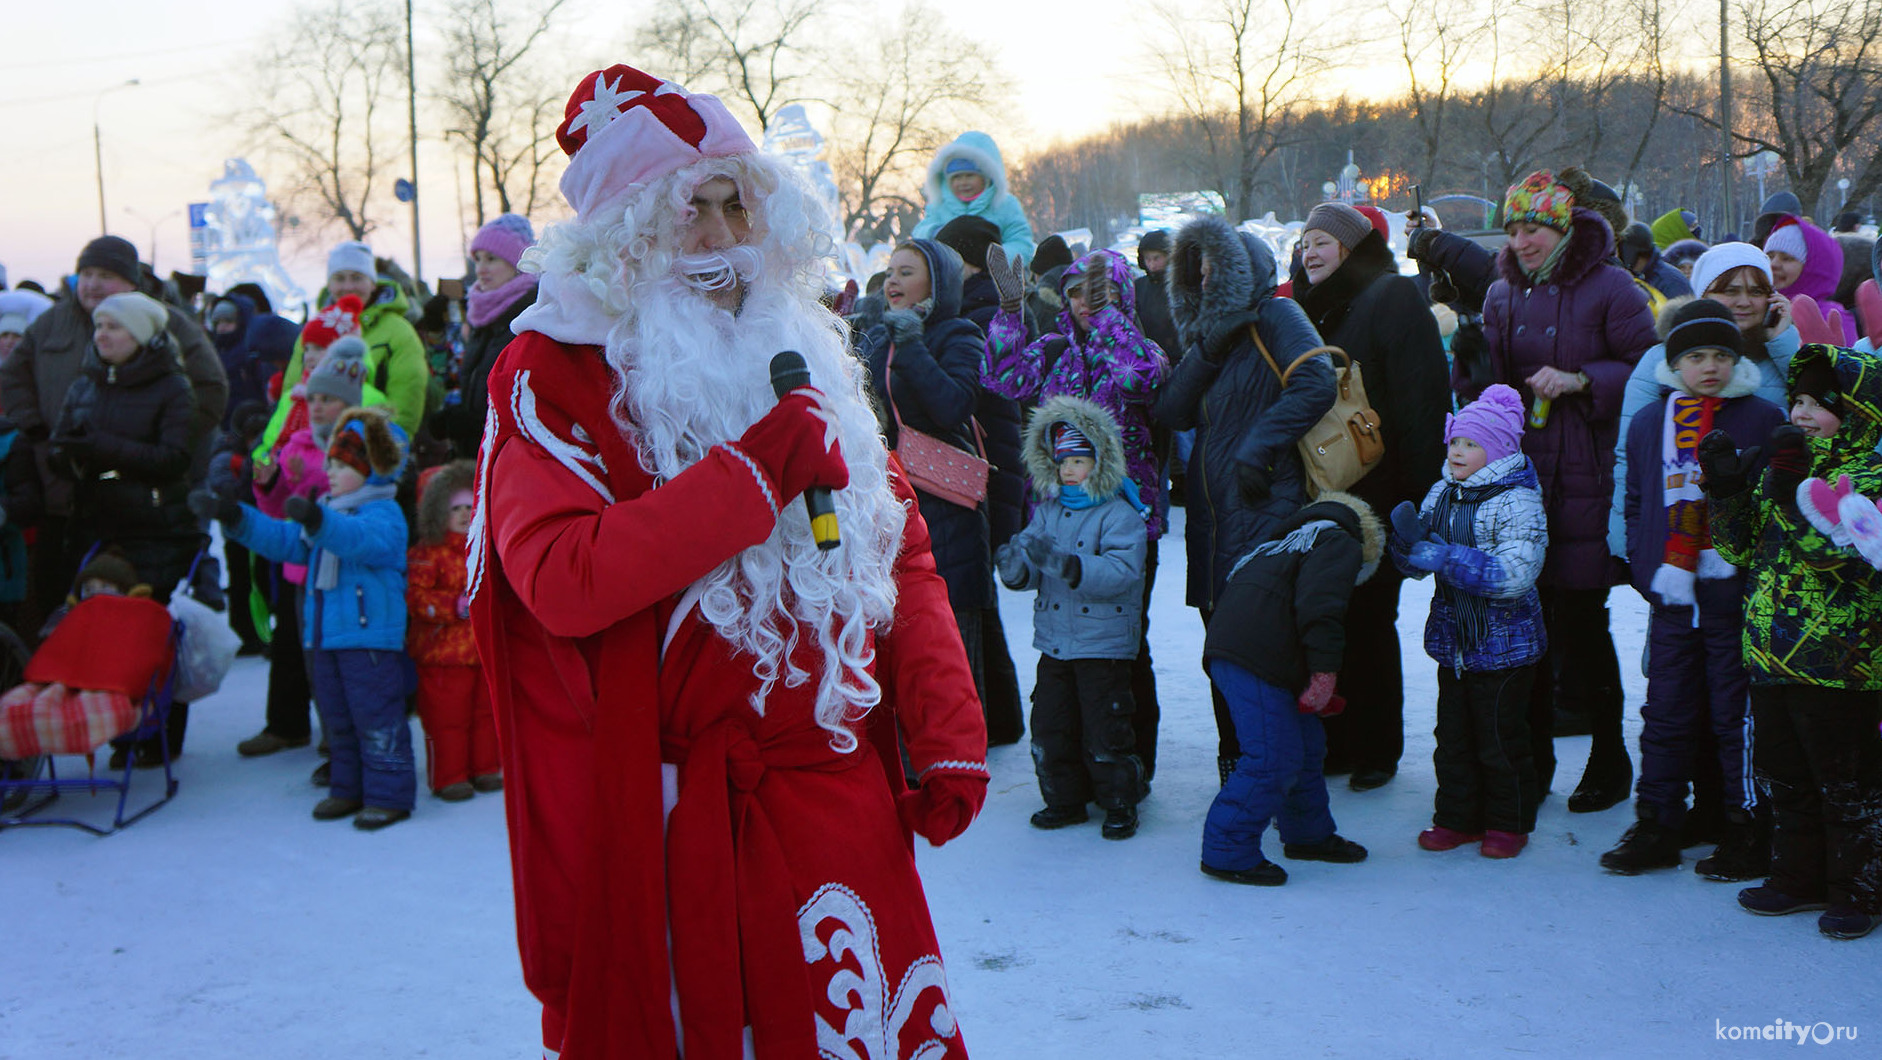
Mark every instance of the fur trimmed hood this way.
pixel 434 508
pixel 1117 270
pixel 1591 244
pixel 383 450
pixel 1241 276
pixel 1331 504
pixel 1094 423
pixel 976 147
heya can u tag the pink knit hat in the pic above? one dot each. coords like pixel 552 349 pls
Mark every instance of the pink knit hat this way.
pixel 623 129
pixel 1494 421
pixel 506 237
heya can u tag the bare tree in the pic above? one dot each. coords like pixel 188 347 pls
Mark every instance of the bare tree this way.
pixel 1514 112
pixel 495 103
pixel 1435 38
pixel 1239 71
pixel 1650 21
pixel 752 53
pixel 326 99
pixel 895 100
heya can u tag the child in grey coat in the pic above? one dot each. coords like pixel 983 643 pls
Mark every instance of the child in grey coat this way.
pixel 1083 552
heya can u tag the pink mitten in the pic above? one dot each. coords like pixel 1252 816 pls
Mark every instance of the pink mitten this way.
pixel 1864 524
pixel 1869 312
pixel 1811 327
pixel 1818 501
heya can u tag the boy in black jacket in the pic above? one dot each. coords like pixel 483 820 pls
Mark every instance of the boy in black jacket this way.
pixel 1274 649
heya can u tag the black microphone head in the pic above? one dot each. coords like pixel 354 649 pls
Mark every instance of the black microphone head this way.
pixel 788 372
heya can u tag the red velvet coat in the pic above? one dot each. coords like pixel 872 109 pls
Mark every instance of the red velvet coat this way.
pixel 434 581
pixel 782 873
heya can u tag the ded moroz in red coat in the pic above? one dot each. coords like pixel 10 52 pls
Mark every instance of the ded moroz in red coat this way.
pixel 783 876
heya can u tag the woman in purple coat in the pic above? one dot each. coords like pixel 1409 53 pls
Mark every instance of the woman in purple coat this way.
pixel 1565 326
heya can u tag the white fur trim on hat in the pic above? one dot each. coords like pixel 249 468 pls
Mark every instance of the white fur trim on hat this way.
pixel 1724 258
pixel 352 257
pixel 618 139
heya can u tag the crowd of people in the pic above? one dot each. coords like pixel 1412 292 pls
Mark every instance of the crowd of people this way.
pixel 1599 401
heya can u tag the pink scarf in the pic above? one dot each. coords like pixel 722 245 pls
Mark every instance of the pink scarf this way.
pixel 481 306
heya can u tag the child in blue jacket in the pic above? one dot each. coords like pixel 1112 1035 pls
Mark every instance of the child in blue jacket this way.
pixel 353 544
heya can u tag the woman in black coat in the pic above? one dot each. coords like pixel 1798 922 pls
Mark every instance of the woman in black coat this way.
pixel 933 385
pixel 499 296
pixel 123 441
pixel 1350 286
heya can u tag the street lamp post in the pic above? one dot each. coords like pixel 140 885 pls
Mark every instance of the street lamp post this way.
pixel 98 149
pixel 153 225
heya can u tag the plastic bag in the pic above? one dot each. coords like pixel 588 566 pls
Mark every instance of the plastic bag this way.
pixel 206 651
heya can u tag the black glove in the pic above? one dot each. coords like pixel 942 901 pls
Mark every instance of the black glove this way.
pixel 304 512
pixel 1726 469
pixel 206 505
pixel 1254 483
pixel 1789 463
pixel 904 325
pixel 1222 340
pixel 77 446
pixel 1418 244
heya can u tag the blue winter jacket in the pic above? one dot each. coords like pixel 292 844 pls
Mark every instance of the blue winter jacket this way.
pixel 1512 538
pixel 996 204
pixel 366 609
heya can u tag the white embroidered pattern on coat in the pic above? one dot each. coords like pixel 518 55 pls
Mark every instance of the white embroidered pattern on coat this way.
pixel 477 544
pixel 874 1018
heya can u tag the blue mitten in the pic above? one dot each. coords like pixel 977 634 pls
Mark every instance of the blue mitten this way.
pixel 1406 525
pixel 1427 555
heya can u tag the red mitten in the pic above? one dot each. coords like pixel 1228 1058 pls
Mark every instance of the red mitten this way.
pixel 1869 312
pixel 797 446
pixel 1318 696
pixel 943 807
pixel 1811 327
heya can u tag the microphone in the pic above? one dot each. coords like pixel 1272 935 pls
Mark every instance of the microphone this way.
pixel 788 372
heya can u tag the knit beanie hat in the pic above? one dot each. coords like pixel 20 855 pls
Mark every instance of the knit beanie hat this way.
pixel 1494 421
pixel 1702 324
pixel 1787 237
pixel 1346 225
pixel 1723 259
pixel 961 165
pixel 349 448
pixel 111 568
pixel 113 254
pixel 143 316
pixel 1376 218
pixel 352 257
pixel 969 236
pixel 363 440
pixel 334 322
pixel 1816 376
pixel 506 237
pixel 1539 200
pixel 342 372
pixel 1051 254
pixel 1068 441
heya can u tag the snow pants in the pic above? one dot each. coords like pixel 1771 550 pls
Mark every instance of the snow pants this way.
pixel 1277 778
pixel 460 731
pixel 1695 682
pixel 361 698
pixel 1486 775
pixel 1083 742
pixel 1819 761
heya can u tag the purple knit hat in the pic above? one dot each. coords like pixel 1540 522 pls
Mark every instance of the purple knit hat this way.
pixel 506 237
pixel 1494 421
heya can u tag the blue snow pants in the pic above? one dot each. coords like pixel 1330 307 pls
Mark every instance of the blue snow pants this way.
pixel 1277 778
pixel 361 697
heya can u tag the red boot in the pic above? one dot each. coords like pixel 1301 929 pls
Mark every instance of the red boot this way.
pixel 1502 844
pixel 1438 837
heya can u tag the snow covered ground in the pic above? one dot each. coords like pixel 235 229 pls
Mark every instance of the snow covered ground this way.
pixel 230 924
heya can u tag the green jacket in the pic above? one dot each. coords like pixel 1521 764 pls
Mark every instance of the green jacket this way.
pixel 1813 609
pixel 395 365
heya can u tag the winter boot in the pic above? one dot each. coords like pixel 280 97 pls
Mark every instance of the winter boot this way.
pixel 1502 845
pixel 1368 779
pixel 1120 822
pixel 1769 901
pixel 323 775
pixel 373 818
pixel 457 792
pixel 332 808
pixel 1847 922
pixel 1438 837
pixel 1743 853
pixel 1266 874
pixel 1606 782
pixel 1060 817
pixel 267 743
pixel 1647 845
pixel 488 783
pixel 1334 848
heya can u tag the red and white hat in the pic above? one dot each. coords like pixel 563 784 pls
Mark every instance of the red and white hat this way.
pixel 624 128
pixel 333 323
